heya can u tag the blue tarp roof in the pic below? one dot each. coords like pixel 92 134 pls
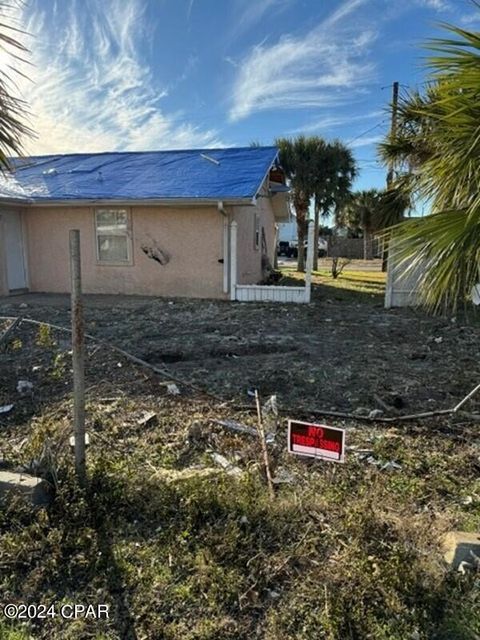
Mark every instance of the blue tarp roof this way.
pixel 203 174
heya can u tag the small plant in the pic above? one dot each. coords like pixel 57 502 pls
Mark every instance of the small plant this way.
pixel 338 265
pixel 59 366
pixel 16 344
pixel 44 337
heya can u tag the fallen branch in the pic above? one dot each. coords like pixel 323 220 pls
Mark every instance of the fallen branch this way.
pixel 467 397
pixel 350 416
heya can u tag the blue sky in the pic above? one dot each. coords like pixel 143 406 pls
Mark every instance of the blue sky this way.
pixel 153 74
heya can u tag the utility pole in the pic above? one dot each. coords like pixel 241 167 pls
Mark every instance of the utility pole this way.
pixel 393 128
pixel 78 357
pixel 393 133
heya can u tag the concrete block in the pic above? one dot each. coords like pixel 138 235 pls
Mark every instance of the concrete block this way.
pixel 36 490
pixel 457 546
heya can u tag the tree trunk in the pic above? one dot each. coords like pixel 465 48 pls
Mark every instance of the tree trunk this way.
pixel 367 245
pixel 315 235
pixel 301 243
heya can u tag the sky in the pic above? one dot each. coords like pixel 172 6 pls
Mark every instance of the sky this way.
pixel 165 74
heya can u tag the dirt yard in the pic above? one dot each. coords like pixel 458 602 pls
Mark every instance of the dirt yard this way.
pixel 335 354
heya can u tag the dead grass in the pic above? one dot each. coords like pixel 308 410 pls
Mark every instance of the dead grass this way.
pixel 343 552
pixel 371 283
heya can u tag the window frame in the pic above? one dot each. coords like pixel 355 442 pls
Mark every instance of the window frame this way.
pixel 127 233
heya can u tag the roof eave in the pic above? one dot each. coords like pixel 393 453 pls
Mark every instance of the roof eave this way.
pixel 17 201
pixel 267 173
pixel 160 202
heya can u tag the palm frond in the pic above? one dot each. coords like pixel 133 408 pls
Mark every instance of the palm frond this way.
pixel 13 110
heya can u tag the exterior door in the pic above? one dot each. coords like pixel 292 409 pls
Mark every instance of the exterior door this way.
pixel 14 250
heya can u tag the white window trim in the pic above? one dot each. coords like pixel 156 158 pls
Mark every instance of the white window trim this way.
pixel 127 233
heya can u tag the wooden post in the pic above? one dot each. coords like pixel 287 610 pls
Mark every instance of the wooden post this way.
pixel 78 357
pixel 310 251
pixel 263 444
pixel 233 260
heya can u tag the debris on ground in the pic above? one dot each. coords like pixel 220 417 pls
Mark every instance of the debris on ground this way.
pixel 6 408
pixel 173 389
pixel 229 467
pixel 24 386
pixel 234 425
pixel 462 550
pixel 37 491
pixel 283 476
pixel 148 419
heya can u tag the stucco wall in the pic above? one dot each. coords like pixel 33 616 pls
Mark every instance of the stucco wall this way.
pixel 249 259
pixel 3 266
pixel 192 238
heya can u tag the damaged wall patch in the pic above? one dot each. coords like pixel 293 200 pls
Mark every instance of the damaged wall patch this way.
pixel 155 252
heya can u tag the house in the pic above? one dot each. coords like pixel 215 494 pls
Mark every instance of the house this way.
pixel 190 223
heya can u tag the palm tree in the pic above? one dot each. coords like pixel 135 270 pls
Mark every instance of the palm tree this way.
pixel 13 111
pixel 315 169
pixel 371 212
pixel 335 170
pixel 437 150
pixel 297 160
pixel 361 211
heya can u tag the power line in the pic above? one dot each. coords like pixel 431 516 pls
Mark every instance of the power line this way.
pixel 364 133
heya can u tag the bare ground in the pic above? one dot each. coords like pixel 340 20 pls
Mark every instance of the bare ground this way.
pixel 336 354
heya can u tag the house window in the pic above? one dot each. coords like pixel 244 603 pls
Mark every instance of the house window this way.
pixel 256 232
pixel 114 245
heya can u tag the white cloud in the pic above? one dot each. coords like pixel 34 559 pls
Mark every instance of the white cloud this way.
pixel 324 67
pixel 91 89
pixel 250 12
pixel 330 122
pixel 365 141
pixel 470 20
pixel 438 5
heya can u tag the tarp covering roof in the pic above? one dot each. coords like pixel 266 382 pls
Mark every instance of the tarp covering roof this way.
pixel 196 174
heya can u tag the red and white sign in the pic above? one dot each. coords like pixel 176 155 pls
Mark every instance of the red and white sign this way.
pixel 316 441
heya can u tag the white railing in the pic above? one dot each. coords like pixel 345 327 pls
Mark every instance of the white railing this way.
pixel 267 293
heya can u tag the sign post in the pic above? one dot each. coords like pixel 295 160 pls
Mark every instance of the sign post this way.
pixel 316 441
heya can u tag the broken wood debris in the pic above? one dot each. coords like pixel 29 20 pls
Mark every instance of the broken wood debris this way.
pixel 148 419
pixel 236 426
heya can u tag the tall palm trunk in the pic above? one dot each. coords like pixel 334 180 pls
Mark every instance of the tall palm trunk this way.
pixel 301 241
pixel 316 233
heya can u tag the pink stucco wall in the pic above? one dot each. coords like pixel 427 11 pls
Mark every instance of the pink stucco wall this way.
pixel 3 265
pixel 193 239
pixel 249 259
